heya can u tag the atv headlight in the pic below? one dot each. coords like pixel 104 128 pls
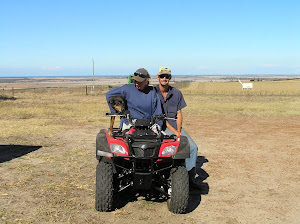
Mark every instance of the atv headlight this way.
pixel 115 148
pixel 169 150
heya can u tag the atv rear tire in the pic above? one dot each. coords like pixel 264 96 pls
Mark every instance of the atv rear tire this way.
pixel 104 187
pixel 179 190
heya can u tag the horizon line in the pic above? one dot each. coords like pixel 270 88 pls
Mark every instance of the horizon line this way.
pixel 78 76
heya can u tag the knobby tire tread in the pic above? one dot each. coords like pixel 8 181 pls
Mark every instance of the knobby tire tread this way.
pixel 104 187
pixel 180 190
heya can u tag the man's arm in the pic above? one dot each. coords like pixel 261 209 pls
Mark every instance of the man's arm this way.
pixel 112 93
pixel 179 124
pixel 179 121
pixel 157 109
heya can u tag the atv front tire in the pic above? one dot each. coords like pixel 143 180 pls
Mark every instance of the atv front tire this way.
pixel 104 187
pixel 179 190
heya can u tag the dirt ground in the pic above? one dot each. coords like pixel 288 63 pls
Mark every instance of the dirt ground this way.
pixel 249 167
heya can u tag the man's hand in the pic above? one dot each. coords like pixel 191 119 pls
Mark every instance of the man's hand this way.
pixel 173 129
pixel 177 133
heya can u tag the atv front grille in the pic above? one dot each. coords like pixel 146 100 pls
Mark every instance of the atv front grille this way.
pixel 139 152
pixel 144 148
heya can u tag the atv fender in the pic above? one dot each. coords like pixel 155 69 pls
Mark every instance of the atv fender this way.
pixel 183 150
pixel 108 160
pixel 102 145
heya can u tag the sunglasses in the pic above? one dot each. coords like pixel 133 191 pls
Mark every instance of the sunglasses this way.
pixel 140 75
pixel 167 76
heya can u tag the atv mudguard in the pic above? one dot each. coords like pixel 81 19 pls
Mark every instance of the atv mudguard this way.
pixel 101 143
pixel 183 150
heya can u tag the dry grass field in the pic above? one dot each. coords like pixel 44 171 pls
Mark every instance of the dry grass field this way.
pixel 248 146
pixel 265 88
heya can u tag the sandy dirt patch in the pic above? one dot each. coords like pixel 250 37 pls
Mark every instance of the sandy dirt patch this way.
pixel 252 164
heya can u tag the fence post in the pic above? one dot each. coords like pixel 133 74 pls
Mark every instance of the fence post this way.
pixel 86 90
pixel 13 92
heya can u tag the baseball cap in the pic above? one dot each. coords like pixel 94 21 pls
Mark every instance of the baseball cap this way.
pixel 164 70
pixel 140 75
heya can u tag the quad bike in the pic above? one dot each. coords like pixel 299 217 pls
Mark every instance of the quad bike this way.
pixel 140 159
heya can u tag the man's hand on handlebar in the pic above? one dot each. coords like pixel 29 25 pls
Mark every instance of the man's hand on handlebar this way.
pixel 177 133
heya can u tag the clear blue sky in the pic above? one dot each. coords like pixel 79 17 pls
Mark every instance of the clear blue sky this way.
pixel 60 37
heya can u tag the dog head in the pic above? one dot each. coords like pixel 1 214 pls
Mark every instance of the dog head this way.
pixel 118 103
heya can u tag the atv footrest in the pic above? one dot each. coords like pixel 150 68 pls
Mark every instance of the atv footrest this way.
pixel 142 180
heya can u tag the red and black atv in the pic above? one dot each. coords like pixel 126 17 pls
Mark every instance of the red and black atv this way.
pixel 143 160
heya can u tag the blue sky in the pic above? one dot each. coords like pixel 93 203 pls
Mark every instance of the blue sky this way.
pixel 60 37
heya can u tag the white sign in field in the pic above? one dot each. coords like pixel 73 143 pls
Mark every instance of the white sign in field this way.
pixel 246 85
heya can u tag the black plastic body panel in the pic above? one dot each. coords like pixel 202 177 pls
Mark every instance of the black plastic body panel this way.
pixel 101 143
pixel 183 151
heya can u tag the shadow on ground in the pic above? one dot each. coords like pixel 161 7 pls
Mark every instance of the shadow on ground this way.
pixel 10 152
pixel 7 98
pixel 203 189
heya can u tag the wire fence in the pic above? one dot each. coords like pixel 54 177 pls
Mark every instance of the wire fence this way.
pixel 191 88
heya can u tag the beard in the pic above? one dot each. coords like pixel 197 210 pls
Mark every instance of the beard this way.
pixel 164 84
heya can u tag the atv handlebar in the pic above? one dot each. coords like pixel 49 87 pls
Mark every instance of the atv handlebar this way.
pixel 163 117
pixel 127 114
pixel 118 114
pixel 114 115
pixel 152 122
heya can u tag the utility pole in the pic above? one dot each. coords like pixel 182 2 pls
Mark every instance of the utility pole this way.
pixel 93 75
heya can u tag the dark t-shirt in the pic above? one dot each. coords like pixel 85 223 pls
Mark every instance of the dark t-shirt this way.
pixel 173 103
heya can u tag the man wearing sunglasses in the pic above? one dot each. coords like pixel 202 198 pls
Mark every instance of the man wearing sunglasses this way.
pixel 142 100
pixel 172 102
